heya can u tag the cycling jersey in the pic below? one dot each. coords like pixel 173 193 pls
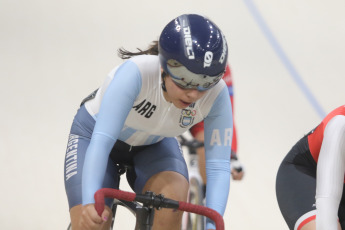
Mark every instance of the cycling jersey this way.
pixel 200 126
pixel 310 180
pixel 316 137
pixel 130 106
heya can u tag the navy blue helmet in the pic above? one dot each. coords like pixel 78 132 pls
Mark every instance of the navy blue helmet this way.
pixel 193 51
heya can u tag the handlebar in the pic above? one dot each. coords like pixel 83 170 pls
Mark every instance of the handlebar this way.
pixel 157 201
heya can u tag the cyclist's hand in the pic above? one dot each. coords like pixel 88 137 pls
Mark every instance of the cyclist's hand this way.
pixel 90 220
pixel 237 169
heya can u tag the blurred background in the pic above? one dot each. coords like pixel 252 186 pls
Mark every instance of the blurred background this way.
pixel 287 60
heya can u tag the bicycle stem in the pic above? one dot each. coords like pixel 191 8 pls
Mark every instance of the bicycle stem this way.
pixel 150 199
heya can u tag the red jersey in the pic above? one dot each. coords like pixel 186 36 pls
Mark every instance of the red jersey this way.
pixel 316 137
pixel 200 126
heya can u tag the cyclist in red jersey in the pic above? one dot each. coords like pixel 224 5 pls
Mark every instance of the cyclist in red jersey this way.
pixel 310 180
pixel 197 132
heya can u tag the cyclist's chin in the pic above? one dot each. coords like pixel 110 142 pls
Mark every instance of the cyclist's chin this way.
pixel 180 104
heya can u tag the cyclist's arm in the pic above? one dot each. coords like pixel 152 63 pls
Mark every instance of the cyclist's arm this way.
pixel 229 82
pixel 330 174
pixel 218 138
pixel 234 134
pixel 116 104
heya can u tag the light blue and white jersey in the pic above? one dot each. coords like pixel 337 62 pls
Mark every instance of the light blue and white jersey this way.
pixel 151 117
pixel 130 106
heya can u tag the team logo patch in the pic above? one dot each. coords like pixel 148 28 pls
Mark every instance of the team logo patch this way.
pixel 187 116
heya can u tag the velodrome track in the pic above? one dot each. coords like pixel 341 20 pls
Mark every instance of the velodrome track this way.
pixel 287 59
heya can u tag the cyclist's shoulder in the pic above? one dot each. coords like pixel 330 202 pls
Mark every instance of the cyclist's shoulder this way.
pixel 216 95
pixel 336 124
pixel 336 114
pixel 143 67
pixel 339 111
pixel 214 92
pixel 146 62
pixel 148 68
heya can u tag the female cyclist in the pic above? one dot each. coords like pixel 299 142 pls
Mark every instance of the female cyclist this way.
pixel 134 116
pixel 310 179
pixel 197 131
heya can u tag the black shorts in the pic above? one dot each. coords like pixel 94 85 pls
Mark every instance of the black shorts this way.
pixel 296 187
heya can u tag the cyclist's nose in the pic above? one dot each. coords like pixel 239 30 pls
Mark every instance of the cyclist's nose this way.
pixel 193 94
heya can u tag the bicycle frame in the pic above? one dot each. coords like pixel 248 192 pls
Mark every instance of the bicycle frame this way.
pixel 196 194
pixel 153 201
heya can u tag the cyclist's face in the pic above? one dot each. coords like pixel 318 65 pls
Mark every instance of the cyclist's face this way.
pixel 180 97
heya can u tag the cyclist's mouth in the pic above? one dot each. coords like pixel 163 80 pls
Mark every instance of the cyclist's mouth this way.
pixel 186 104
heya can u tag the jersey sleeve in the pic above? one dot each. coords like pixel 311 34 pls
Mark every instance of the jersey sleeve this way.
pixel 229 82
pixel 218 138
pixel 330 174
pixel 115 106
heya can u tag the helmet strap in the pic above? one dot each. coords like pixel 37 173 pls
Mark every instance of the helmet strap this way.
pixel 163 81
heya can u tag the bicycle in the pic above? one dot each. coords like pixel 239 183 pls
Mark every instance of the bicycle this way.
pixel 196 194
pixel 150 202
pixel 142 206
